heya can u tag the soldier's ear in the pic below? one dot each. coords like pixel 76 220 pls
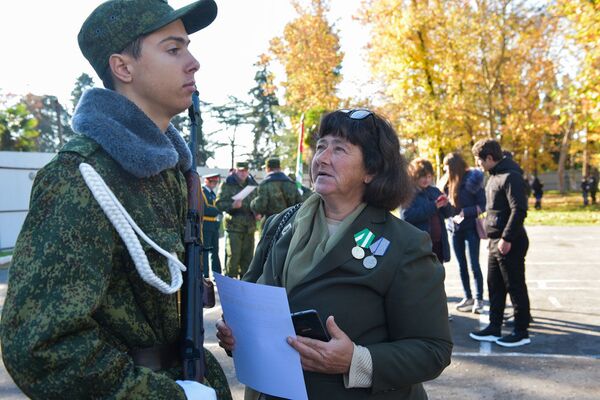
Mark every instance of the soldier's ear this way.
pixel 121 67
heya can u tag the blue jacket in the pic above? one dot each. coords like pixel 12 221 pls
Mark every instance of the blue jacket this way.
pixel 422 209
pixel 470 195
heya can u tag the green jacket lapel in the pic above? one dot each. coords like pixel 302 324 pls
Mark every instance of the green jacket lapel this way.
pixel 372 218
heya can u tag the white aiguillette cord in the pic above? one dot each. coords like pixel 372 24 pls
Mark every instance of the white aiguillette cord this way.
pixel 125 226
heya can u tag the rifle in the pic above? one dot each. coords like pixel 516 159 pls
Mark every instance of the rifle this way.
pixel 194 292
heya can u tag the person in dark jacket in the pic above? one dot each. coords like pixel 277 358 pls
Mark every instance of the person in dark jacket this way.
pixel 585 189
pixel 210 225
pixel 506 211
pixel 428 208
pixel 538 192
pixel 594 185
pixel 275 193
pixel 467 198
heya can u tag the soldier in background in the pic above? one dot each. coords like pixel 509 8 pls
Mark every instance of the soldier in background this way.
pixel 305 191
pixel 210 224
pixel 276 192
pixel 240 221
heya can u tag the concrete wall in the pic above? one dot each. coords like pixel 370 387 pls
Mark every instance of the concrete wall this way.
pixel 17 171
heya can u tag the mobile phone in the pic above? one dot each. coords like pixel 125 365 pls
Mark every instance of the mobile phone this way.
pixel 307 323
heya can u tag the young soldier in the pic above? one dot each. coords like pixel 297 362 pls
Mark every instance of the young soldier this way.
pixel 84 317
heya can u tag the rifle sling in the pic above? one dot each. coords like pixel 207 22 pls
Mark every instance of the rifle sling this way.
pixel 156 358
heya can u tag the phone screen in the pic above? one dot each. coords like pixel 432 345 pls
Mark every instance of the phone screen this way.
pixel 307 323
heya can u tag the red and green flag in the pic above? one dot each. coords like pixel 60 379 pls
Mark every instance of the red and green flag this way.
pixel 299 169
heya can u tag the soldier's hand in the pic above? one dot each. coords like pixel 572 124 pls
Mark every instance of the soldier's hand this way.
pixel 225 336
pixel 237 203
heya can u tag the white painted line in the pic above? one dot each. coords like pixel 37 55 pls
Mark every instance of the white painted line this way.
pixel 581 263
pixel 570 288
pixel 527 355
pixel 554 301
pixel 563 280
pixel 542 285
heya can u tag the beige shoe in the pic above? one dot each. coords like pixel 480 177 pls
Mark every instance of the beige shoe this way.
pixel 465 305
pixel 478 307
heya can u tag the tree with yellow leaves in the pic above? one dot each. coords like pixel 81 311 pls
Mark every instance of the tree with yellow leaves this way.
pixel 309 51
pixel 457 70
pixel 583 18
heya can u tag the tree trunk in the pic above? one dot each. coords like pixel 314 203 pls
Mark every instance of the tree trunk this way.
pixel 564 151
pixel 585 169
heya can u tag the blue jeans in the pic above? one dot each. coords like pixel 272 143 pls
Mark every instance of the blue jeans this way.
pixel 459 238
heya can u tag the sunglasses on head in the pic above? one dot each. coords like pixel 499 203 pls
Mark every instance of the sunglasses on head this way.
pixel 358 114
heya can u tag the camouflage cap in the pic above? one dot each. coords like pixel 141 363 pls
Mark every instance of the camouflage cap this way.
pixel 241 165
pixel 273 162
pixel 114 24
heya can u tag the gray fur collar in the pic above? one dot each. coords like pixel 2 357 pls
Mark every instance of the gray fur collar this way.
pixel 128 135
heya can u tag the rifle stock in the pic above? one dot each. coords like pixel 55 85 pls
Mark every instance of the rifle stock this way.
pixel 193 288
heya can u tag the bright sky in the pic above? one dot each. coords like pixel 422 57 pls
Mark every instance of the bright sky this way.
pixel 40 52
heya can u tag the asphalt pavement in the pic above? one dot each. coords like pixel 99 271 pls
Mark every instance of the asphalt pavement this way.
pixel 563 360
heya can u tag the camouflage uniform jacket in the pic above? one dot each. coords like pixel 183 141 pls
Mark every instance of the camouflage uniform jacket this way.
pixel 76 305
pixel 275 193
pixel 237 219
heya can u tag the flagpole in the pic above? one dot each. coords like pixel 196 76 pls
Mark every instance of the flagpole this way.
pixel 299 169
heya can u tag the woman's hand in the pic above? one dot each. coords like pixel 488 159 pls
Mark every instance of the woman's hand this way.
pixel 333 357
pixel 225 335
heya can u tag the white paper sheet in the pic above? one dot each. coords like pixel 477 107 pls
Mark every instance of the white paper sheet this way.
pixel 244 193
pixel 259 316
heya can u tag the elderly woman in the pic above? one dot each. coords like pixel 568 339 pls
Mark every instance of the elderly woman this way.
pixel 372 275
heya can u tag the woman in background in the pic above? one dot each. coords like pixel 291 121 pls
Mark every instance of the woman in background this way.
pixel 428 208
pixel 467 198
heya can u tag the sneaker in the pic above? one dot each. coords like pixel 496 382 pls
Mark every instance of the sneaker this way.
pixel 489 334
pixel 465 305
pixel 450 317
pixel 478 307
pixel 515 339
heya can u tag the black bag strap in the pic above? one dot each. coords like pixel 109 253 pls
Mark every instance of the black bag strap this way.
pixel 284 220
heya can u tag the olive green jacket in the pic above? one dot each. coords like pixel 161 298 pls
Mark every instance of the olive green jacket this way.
pixel 76 305
pixel 237 219
pixel 397 309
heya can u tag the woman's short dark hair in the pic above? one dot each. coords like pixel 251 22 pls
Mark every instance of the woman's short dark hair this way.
pixel 391 185
pixel 487 147
pixel 420 167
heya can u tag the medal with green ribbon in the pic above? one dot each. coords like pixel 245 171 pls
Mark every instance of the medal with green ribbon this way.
pixel 363 240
